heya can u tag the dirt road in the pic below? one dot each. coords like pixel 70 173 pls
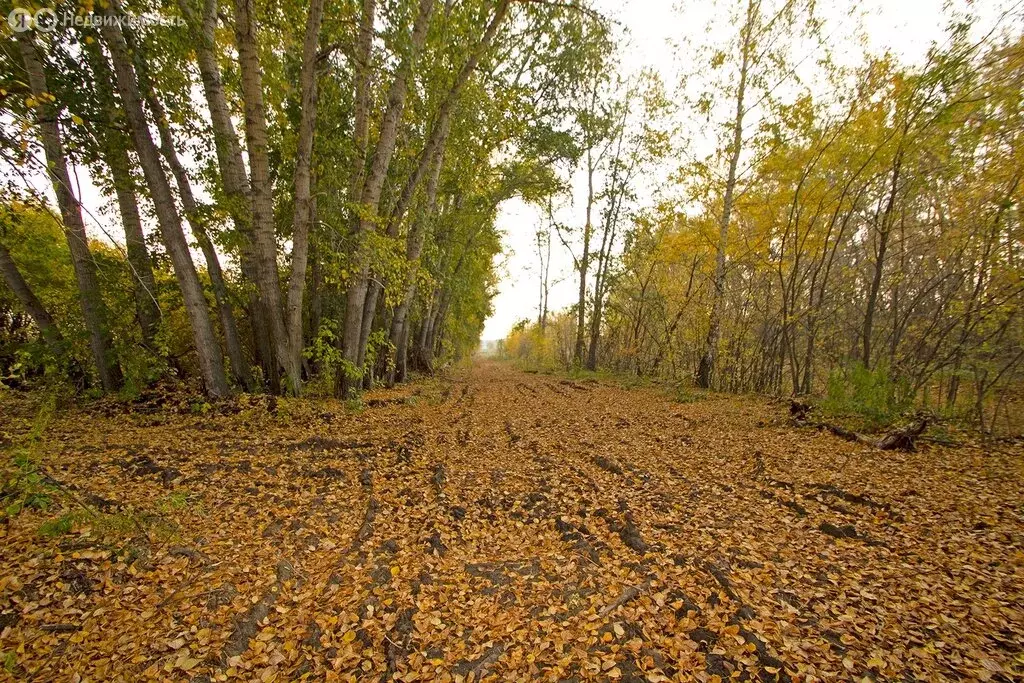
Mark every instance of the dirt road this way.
pixel 508 526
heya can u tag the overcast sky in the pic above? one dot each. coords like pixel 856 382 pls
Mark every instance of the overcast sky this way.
pixel 655 27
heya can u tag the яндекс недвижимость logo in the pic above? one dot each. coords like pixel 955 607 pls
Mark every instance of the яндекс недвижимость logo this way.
pixel 46 20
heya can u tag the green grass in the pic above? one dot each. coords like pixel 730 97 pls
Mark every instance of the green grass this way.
pixel 179 500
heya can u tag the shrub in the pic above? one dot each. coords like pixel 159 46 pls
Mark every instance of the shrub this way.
pixel 873 396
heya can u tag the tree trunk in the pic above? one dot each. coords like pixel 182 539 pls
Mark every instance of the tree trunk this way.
pixel 234 182
pixel 577 355
pixel 255 115
pixel 32 305
pixel 93 309
pixel 610 225
pixel 361 115
pixel 316 275
pixel 425 343
pixel 545 259
pixel 139 261
pixel 706 368
pixel 239 363
pixel 595 314
pixel 543 242
pixel 414 247
pixel 115 146
pixel 303 196
pixel 208 350
pixel 361 302
pixel 876 280
pixel 135 240
pixel 355 297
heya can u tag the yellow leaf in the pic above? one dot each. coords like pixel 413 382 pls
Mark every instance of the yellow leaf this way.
pixel 348 637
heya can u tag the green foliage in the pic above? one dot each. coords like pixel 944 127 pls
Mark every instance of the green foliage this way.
pixel 353 372
pixel 324 349
pixel 34 236
pixel 27 491
pixel 325 356
pixel 24 487
pixel 58 526
pixel 176 500
pixel 199 407
pixel 116 527
pixel 870 396
pixel 37 246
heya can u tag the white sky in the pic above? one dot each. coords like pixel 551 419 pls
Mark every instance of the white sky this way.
pixel 906 27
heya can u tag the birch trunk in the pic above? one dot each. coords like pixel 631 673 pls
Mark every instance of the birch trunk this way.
pixel 234 182
pixel 706 367
pixel 239 363
pixel 255 115
pixel 146 309
pixel 208 350
pixel 93 310
pixel 399 335
pixel 115 146
pixel 355 297
pixel 361 300
pixel 303 196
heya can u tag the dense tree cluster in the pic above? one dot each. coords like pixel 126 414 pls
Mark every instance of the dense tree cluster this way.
pixel 865 236
pixel 307 193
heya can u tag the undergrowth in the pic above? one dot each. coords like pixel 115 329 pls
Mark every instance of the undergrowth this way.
pixel 865 398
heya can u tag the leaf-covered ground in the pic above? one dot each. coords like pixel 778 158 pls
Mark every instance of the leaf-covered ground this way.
pixel 506 526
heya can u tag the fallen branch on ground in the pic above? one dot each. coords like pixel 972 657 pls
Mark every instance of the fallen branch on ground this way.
pixel 903 439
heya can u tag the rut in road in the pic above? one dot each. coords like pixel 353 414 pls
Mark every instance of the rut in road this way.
pixel 506 525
